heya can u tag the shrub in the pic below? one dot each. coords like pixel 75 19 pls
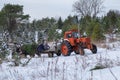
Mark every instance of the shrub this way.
pixel 3 54
pixel 30 48
pixel 98 67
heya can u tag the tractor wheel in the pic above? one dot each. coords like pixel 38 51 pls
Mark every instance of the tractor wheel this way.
pixel 94 50
pixel 81 51
pixel 58 53
pixel 66 48
pixel 76 52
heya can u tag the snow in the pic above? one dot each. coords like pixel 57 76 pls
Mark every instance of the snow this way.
pixel 74 67
pixel 59 31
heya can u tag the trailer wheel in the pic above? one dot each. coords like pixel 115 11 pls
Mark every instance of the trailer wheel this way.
pixel 50 54
pixel 39 54
pixel 58 53
pixel 94 49
pixel 66 48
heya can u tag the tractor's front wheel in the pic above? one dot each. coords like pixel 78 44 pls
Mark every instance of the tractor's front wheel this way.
pixel 66 48
pixel 80 50
pixel 94 49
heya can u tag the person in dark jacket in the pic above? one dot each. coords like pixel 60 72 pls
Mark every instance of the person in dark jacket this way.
pixel 40 48
pixel 44 46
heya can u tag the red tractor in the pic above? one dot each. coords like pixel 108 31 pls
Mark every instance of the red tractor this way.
pixel 74 42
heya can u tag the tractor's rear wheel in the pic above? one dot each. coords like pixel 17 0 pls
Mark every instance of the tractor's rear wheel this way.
pixel 94 49
pixel 66 48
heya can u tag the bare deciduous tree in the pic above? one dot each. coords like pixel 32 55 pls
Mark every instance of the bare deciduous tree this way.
pixel 88 7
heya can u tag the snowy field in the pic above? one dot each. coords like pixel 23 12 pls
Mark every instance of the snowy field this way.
pixel 74 67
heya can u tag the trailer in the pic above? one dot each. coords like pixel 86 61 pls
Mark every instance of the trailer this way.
pixel 53 49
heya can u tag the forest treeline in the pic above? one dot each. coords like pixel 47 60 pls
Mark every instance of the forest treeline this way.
pixel 17 26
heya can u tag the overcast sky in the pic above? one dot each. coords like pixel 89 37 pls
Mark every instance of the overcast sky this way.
pixel 38 9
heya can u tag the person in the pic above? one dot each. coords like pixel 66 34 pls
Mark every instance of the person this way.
pixel 69 35
pixel 44 46
pixel 40 48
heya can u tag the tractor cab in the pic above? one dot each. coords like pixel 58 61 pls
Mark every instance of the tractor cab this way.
pixel 72 36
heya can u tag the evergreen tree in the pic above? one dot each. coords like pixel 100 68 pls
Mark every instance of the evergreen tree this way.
pixel 97 34
pixel 90 27
pixel 85 24
pixel 12 16
pixel 60 23
pixel 111 21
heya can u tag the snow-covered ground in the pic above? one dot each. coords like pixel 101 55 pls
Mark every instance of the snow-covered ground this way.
pixel 74 67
